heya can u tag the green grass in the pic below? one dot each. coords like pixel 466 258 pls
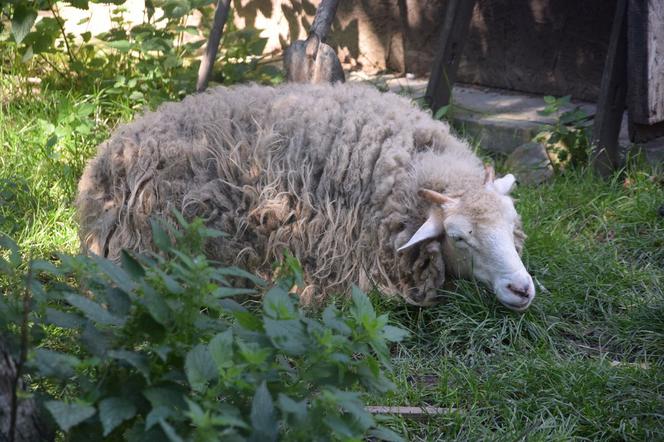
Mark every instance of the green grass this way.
pixel 585 362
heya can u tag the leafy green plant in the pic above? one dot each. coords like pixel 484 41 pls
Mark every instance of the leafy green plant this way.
pixel 568 139
pixel 159 348
pixel 147 63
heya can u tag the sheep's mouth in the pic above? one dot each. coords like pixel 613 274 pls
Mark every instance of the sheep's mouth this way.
pixel 517 307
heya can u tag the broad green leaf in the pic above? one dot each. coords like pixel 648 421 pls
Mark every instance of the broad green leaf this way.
pixel 120 45
pixel 278 305
pixel 332 320
pixel 131 265
pixel 80 4
pixel 85 109
pixel 287 335
pixel 63 319
pixel 92 310
pixel 170 432
pixel 384 434
pixel 248 321
pixel 171 397
pixel 113 411
pixel 14 253
pixel 159 236
pixel 297 409
pixel 263 419
pixel 394 334
pixel 156 305
pixel 43 37
pixel 157 414
pixel 226 292
pixel 253 353
pixel 199 367
pixel 138 361
pixel 54 364
pixel 236 271
pixel 441 112
pixel 221 349
pixel 95 341
pixel 175 9
pixel 22 20
pixel 115 273
pixel 362 310
pixel 44 266
pixel 67 415
pixel 118 301
pixel 136 95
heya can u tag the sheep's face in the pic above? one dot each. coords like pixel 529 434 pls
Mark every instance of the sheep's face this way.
pixel 481 238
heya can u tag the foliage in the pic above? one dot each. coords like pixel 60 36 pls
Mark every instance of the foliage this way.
pixel 159 348
pixel 568 138
pixel 147 62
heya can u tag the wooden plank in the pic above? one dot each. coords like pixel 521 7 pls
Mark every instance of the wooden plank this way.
pixel 409 412
pixel 642 133
pixel 612 99
pixel 453 35
pixel 645 37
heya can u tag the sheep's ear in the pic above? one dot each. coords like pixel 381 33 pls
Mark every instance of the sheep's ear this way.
pixel 505 184
pixel 489 174
pixel 436 198
pixel 431 228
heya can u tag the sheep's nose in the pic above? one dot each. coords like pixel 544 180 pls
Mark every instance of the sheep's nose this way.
pixel 522 291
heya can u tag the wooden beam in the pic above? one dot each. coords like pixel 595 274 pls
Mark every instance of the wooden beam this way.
pixel 612 98
pixel 645 40
pixel 645 69
pixel 453 35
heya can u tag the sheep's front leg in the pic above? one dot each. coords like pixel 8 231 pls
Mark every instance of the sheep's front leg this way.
pixel 424 275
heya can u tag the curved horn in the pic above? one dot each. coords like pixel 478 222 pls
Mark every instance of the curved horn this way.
pixel 489 174
pixel 435 197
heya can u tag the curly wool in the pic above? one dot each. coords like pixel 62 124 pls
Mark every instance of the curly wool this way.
pixel 329 172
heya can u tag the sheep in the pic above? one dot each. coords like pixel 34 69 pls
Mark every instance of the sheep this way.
pixel 361 186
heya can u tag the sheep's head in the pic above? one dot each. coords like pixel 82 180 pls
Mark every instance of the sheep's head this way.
pixel 481 237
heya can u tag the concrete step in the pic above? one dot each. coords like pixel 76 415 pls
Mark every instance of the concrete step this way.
pixel 498 120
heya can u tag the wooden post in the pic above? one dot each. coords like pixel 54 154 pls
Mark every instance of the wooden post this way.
pixel 454 32
pixel 645 69
pixel 205 69
pixel 613 92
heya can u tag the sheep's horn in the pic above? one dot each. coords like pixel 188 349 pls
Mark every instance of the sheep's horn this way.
pixel 435 197
pixel 489 174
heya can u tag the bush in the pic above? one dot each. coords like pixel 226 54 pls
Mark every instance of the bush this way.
pixel 146 63
pixel 159 348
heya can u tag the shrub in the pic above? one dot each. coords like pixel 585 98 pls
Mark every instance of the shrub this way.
pixel 567 140
pixel 146 63
pixel 159 348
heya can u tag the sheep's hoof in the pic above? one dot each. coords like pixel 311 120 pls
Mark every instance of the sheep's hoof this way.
pixel 423 298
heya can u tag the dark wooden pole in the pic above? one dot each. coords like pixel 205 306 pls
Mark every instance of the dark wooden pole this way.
pixel 453 35
pixel 612 96
pixel 205 69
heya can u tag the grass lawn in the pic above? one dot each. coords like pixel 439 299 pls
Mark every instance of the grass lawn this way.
pixel 585 362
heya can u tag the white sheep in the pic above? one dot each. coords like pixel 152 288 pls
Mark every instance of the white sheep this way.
pixel 362 187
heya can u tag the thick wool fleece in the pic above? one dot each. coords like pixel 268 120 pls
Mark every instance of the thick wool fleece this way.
pixel 329 172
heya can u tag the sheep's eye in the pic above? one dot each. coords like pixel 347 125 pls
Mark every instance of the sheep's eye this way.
pixel 458 239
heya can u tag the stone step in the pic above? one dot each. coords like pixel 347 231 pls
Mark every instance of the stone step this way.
pixel 498 120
